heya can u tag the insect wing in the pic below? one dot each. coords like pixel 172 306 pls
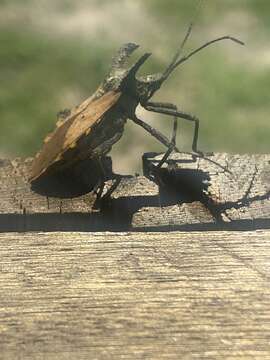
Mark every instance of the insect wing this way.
pixel 68 133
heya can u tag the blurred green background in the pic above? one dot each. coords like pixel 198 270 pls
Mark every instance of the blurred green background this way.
pixel 54 53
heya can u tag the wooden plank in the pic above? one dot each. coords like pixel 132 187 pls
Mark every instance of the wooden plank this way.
pixel 147 206
pixel 184 194
pixel 62 203
pixel 194 295
pixel 234 189
pixel 19 197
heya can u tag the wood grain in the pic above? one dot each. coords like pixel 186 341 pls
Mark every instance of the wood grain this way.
pixel 194 295
pixel 233 189
pixel 64 203
pixel 227 192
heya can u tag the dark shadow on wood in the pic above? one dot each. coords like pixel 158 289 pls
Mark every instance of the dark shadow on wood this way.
pixel 176 187
pixel 100 223
pixel 182 185
pixel 241 225
pixel 56 222
pixel 79 180
pixel 146 156
pixel 116 215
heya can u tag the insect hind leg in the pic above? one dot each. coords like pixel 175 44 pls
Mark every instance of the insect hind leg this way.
pixel 99 188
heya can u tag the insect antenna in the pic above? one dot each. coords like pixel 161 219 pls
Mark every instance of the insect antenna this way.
pixel 177 54
pixel 177 60
pixel 208 43
pixel 170 68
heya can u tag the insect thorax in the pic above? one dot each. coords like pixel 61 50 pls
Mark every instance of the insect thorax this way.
pixel 146 86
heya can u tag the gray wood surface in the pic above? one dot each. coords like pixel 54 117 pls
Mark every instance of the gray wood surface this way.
pixel 182 295
pixel 227 192
pixel 23 208
pixel 233 189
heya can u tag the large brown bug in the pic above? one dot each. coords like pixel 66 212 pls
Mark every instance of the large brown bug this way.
pixel 90 129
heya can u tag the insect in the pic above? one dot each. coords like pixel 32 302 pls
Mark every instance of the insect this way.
pixel 90 129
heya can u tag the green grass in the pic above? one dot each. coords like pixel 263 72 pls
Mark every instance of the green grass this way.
pixel 41 74
pixel 236 115
pixel 36 73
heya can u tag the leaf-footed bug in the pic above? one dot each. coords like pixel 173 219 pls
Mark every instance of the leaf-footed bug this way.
pixel 90 129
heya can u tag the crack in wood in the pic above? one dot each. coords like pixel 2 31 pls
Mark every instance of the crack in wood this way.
pixel 186 194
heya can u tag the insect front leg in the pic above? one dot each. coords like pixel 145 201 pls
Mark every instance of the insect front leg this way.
pixel 171 146
pixel 171 110
pixel 154 132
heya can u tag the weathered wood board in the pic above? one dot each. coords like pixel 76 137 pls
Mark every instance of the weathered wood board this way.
pixel 227 192
pixel 194 295
pixel 25 209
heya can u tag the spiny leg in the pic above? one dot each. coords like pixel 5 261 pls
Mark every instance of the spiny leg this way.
pixel 154 132
pixel 117 180
pixel 173 139
pixel 171 110
pixel 98 190
pixel 166 142
pixel 161 138
pixel 101 184
pixel 172 145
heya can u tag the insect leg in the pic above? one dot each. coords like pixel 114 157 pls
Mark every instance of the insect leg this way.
pixel 165 141
pixel 101 183
pixel 117 180
pixel 154 132
pixel 170 109
pixel 161 138
pixel 172 145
